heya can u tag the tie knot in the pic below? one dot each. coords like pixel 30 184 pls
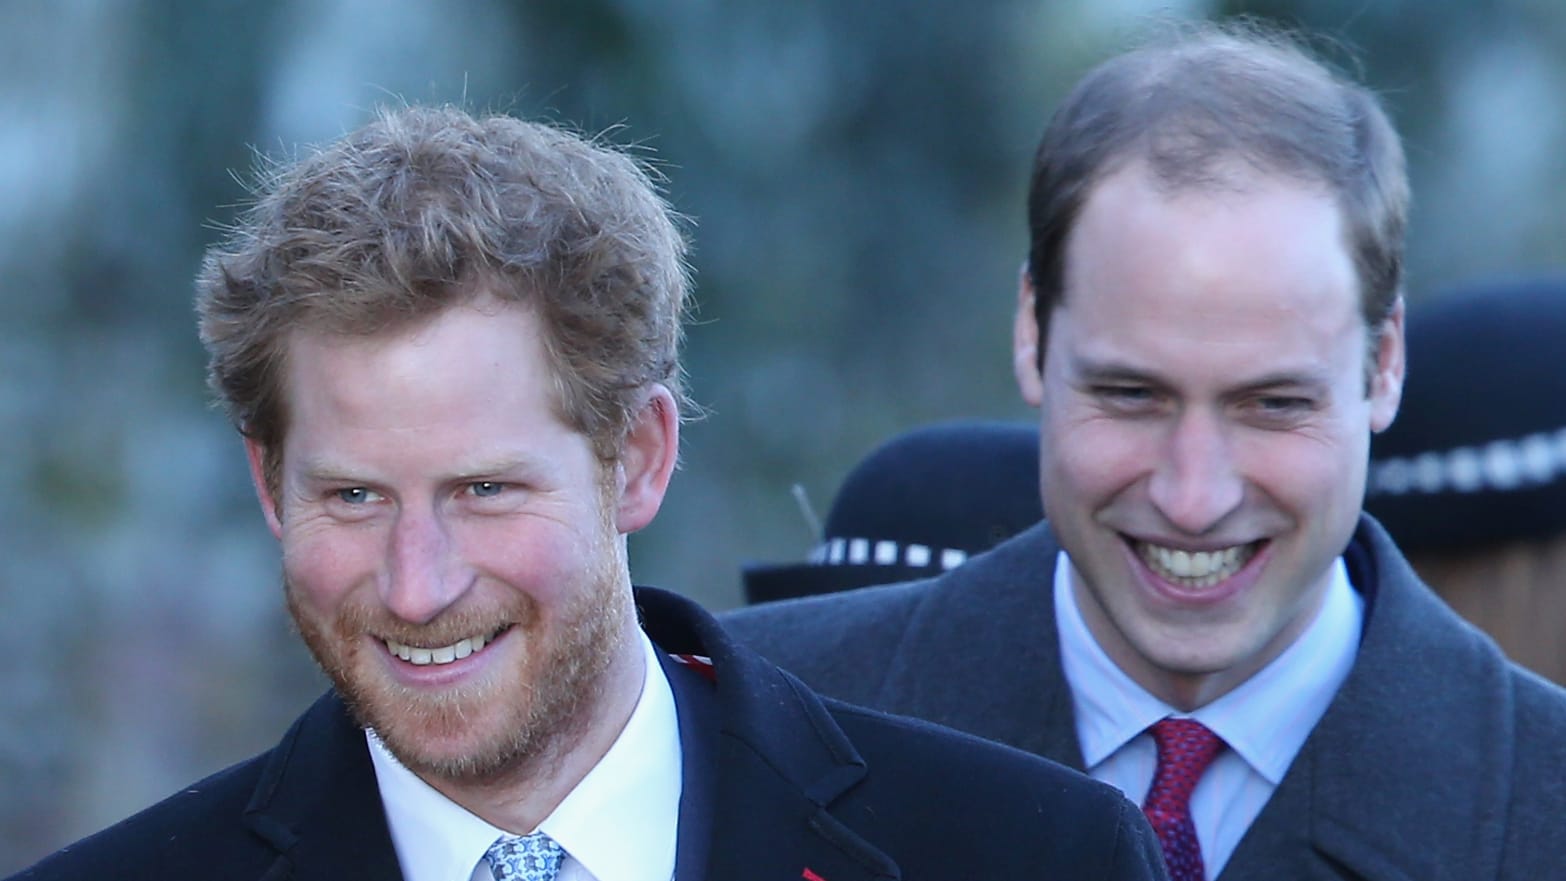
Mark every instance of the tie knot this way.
pixel 533 857
pixel 1185 748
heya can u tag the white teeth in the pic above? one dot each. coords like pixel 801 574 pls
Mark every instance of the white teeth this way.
pixel 1195 568
pixel 443 655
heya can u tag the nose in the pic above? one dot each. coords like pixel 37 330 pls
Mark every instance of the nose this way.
pixel 1195 482
pixel 423 575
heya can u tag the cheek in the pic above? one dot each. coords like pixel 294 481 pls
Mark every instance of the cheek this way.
pixel 1095 458
pixel 538 556
pixel 324 566
pixel 1306 471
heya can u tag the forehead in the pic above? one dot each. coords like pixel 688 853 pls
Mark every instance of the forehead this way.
pixel 1251 270
pixel 479 355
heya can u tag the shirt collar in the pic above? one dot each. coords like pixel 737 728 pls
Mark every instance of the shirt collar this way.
pixel 1265 720
pixel 620 822
pixel 436 839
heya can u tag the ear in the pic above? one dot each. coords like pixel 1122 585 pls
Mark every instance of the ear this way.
pixel 257 456
pixel 1386 381
pixel 1025 342
pixel 647 461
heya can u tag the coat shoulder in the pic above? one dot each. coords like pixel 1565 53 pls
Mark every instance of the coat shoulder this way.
pixel 930 648
pixel 1034 812
pixel 248 819
pixel 1536 795
pixel 197 832
pixel 840 643
pixel 1540 740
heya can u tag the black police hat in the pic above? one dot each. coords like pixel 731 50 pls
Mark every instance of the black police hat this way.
pixel 918 505
pixel 1477 455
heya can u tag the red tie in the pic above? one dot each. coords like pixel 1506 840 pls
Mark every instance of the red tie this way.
pixel 1185 748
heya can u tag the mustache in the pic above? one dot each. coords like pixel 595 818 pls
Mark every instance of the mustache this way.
pixel 362 614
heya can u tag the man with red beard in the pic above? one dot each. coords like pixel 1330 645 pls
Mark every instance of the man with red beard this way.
pixel 451 347
pixel 1210 323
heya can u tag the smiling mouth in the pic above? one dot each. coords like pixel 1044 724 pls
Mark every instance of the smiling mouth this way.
pixel 1195 569
pixel 445 654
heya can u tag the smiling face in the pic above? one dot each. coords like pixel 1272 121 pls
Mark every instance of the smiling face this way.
pixel 1204 420
pixel 453 552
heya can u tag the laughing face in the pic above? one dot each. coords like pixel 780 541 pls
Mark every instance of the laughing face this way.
pixel 453 551
pixel 1205 420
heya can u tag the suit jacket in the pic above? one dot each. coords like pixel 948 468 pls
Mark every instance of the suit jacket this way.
pixel 778 784
pixel 1437 759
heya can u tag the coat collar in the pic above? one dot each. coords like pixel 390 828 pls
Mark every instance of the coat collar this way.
pixel 764 757
pixel 317 804
pixel 1413 753
pixel 1022 699
pixel 1413 756
pixel 781 759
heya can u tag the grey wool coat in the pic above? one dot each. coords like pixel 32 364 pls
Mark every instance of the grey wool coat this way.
pixel 1437 759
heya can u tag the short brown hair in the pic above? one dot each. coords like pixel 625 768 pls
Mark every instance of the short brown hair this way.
pixel 1204 95
pixel 425 207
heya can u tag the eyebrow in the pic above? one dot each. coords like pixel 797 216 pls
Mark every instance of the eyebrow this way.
pixel 330 470
pixel 1101 371
pixel 488 469
pixel 325 471
pixel 1284 379
pixel 1096 370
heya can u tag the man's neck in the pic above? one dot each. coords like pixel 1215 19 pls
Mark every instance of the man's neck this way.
pixel 1185 691
pixel 519 798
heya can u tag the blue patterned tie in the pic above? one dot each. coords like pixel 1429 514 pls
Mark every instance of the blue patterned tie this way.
pixel 533 857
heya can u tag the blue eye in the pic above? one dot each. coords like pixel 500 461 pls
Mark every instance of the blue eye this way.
pixel 487 488
pixel 354 495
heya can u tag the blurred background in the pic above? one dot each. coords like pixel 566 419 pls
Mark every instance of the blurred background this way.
pixel 855 171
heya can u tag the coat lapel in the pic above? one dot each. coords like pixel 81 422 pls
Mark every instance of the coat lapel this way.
pixel 317 804
pixel 779 761
pixel 1411 757
pixel 1027 704
pixel 696 708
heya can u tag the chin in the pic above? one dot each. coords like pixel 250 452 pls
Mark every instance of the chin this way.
pixel 460 757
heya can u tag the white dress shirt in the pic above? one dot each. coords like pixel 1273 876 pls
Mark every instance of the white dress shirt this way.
pixel 619 823
pixel 1265 720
